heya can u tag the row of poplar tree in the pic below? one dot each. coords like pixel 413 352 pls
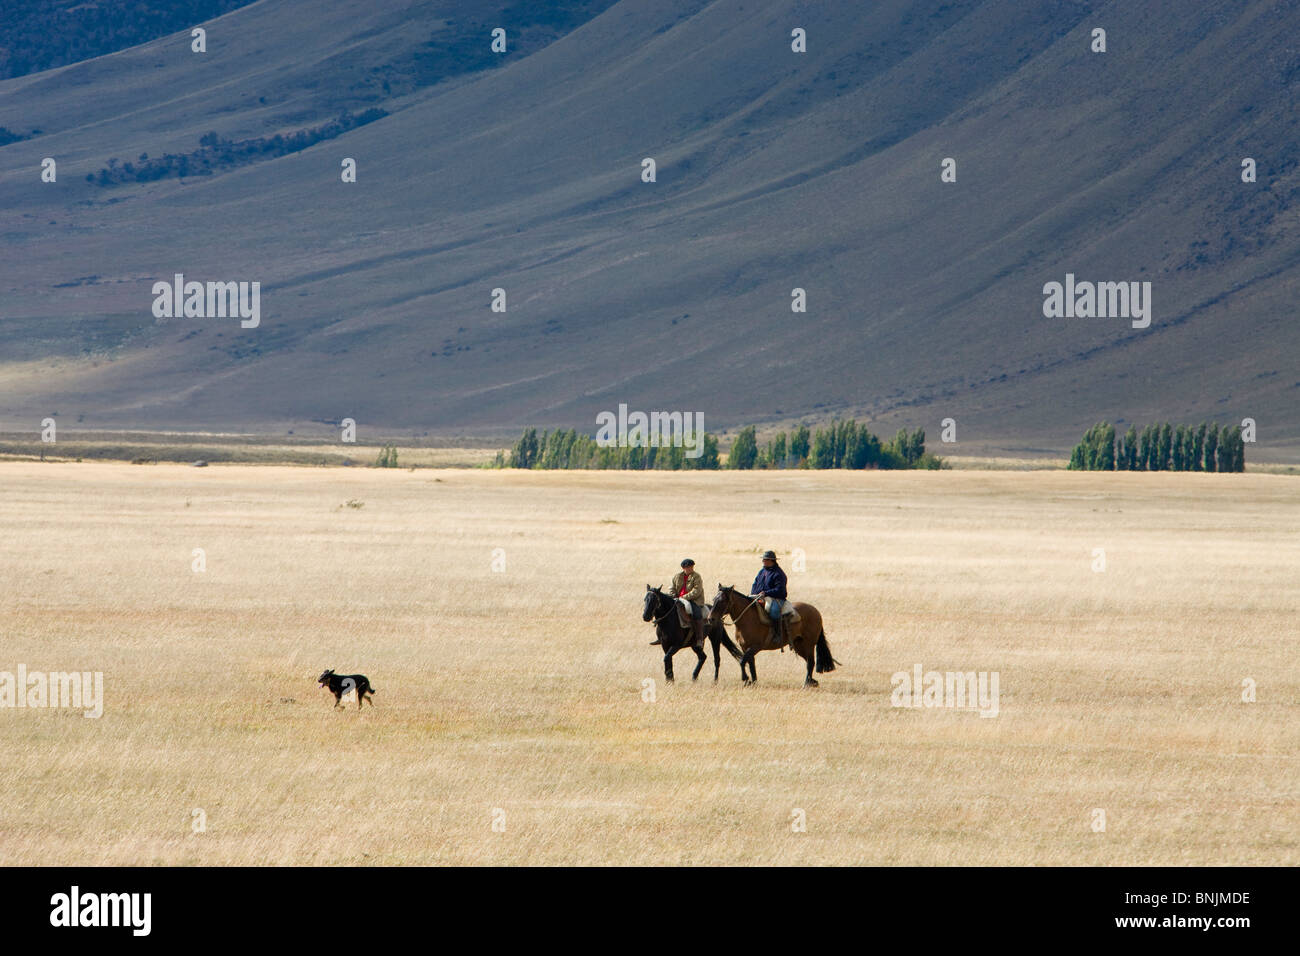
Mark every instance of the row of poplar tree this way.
pixel 842 444
pixel 573 449
pixel 1204 447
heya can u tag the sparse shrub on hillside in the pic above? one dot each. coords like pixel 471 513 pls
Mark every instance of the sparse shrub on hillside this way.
pixel 216 154
pixel 387 457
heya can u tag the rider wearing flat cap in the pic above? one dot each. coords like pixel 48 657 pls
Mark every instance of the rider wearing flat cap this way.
pixel 688 590
pixel 770 586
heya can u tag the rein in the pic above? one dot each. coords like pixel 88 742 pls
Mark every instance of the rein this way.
pixel 672 606
pixel 737 617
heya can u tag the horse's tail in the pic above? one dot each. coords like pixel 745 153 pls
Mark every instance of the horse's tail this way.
pixel 721 638
pixel 824 662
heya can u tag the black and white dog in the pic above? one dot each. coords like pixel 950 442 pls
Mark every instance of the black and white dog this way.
pixel 340 684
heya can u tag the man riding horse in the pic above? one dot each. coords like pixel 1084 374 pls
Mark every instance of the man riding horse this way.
pixel 688 589
pixel 770 587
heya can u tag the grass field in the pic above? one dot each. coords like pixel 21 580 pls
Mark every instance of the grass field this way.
pixel 516 695
pixel 158 448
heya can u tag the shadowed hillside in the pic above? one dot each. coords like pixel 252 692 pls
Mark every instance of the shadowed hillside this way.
pixel 776 170
pixel 39 35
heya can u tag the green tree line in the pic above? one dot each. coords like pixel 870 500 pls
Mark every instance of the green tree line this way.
pixel 842 444
pixel 572 449
pixel 1161 447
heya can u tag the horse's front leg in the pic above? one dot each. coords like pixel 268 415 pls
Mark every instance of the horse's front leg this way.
pixel 747 658
pixel 668 666
pixel 702 658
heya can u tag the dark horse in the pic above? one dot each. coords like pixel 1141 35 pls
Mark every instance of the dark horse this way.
pixel 809 643
pixel 662 610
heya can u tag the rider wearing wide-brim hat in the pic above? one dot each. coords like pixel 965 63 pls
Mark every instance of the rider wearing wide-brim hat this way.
pixel 770 587
pixel 688 590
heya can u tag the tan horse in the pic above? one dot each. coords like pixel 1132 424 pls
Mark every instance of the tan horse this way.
pixel 753 635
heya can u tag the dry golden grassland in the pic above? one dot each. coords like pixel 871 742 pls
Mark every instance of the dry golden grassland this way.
pixel 156 448
pixel 516 695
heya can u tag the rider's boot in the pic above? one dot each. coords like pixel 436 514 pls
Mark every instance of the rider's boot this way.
pixel 654 642
pixel 699 632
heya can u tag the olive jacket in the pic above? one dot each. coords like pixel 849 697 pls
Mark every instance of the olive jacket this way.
pixel 694 587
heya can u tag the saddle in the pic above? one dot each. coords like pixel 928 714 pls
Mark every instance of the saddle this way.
pixel 793 622
pixel 788 612
pixel 684 619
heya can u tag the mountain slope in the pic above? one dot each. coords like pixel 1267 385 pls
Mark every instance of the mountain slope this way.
pixel 775 170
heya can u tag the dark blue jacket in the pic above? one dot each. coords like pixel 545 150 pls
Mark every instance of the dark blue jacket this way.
pixel 770 582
